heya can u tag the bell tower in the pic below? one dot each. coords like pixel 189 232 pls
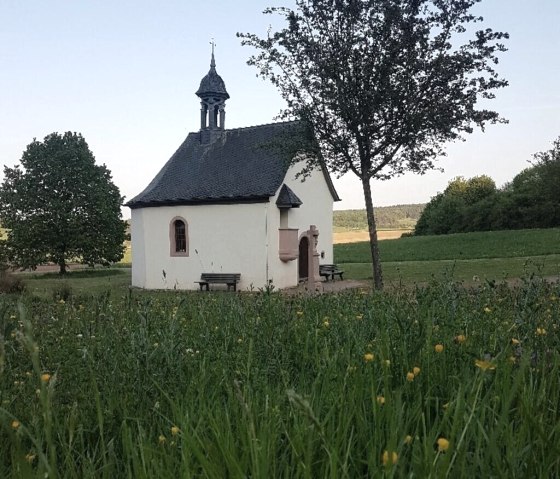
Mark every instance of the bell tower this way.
pixel 213 95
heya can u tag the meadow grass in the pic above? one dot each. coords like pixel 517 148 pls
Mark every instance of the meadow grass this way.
pixel 479 245
pixel 144 385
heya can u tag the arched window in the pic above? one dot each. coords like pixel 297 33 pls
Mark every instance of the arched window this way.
pixel 179 237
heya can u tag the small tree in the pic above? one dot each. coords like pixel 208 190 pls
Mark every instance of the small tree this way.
pixel 59 206
pixel 382 84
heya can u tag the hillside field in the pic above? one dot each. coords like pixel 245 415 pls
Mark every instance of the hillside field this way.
pixel 398 217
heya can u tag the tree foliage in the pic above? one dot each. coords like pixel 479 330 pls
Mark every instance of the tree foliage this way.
pixel 382 84
pixel 530 200
pixel 59 206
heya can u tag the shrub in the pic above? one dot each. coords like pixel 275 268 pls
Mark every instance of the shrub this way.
pixel 10 283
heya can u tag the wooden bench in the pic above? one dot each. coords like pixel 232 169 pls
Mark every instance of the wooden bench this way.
pixel 231 279
pixel 330 271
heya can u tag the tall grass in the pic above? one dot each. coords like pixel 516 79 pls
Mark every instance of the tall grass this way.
pixel 266 385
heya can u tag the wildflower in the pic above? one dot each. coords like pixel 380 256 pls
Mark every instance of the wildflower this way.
pixel 380 400
pixel 445 406
pixel 368 357
pixel 162 439
pixel 29 457
pixel 460 338
pixel 359 316
pixel 487 310
pixel 554 298
pixel 438 348
pixel 541 332
pixel 388 459
pixel 61 301
pixel 16 424
pixel 387 362
pixel 416 370
pixel 484 365
pixel 512 359
pixel 45 377
pixel 514 341
pixel 410 377
pixel 326 324
pixel 175 430
pixel 408 439
pixel 299 314
pixel 239 340
pixel 442 444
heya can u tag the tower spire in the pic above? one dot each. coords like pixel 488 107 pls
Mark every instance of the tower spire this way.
pixel 213 95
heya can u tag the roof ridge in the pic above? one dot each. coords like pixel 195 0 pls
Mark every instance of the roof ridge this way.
pixel 274 123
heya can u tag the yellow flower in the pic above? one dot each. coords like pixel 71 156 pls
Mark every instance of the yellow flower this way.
pixel 388 459
pixel 45 377
pixel 387 362
pixel 29 457
pixel 162 439
pixel 326 324
pixel 512 359
pixel 299 313
pixel 16 424
pixel 484 365
pixel 460 338
pixel 416 370
pixel 175 431
pixel 442 444
pixel 62 301
pixel 359 316
pixel 487 310
pixel 380 400
pixel 445 406
pixel 438 348
pixel 410 377
pixel 541 332
pixel 368 357
pixel 514 341
pixel 408 439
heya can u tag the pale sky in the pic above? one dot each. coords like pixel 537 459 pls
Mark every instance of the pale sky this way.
pixel 123 73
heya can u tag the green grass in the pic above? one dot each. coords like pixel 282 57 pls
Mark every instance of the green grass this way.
pixel 187 385
pixel 472 270
pixel 81 282
pixel 497 244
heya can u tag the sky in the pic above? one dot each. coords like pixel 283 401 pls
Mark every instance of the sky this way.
pixel 123 74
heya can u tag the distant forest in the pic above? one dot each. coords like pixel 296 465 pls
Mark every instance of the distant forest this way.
pixel 398 217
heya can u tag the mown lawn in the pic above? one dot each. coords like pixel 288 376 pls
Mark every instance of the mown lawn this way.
pixel 479 245
pixel 419 382
pixel 469 257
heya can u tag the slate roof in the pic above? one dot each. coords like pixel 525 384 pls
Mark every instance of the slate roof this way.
pixel 243 165
pixel 287 198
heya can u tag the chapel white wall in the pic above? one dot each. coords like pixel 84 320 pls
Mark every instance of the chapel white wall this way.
pixel 222 238
pixel 317 209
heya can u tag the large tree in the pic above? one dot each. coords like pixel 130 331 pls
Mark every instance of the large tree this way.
pixel 383 84
pixel 59 206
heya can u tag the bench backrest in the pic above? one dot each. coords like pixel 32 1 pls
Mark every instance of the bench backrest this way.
pixel 220 277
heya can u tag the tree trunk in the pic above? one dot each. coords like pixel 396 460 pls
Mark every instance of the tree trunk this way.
pixel 373 243
pixel 62 265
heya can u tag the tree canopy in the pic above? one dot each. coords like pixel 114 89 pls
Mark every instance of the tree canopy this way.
pixel 382 84
pixel 530 200
pixel 59 206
